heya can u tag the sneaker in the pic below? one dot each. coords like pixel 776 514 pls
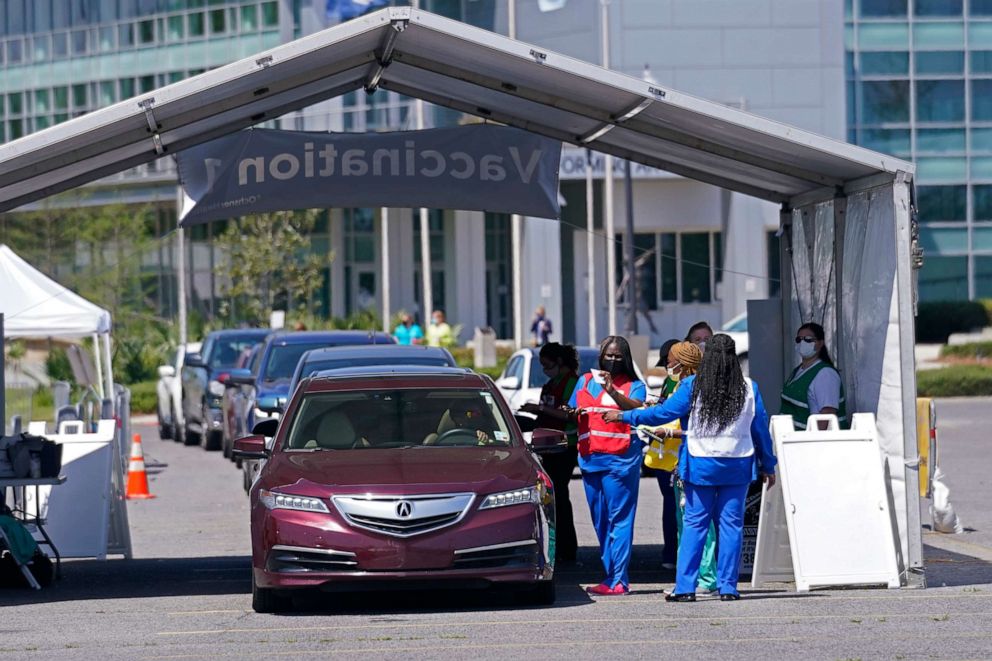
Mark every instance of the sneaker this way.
pixel 604 590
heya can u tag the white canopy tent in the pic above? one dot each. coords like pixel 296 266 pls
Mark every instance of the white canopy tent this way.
pixel 35 306
pixel 846 210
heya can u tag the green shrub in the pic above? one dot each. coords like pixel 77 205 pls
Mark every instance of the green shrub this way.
pixel 969 350
pixel 144 398
pixel 57 366
pixel 955 381
pixel 936 320
pixel 465 357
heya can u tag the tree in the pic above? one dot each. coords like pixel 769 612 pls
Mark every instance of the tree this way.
pixel 270 266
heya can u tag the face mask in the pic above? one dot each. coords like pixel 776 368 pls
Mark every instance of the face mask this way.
pixel 806 349
pixel 675 372
pixel 613 366
pixel 702 346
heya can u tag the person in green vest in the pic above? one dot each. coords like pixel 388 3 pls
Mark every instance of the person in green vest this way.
pixel 815 386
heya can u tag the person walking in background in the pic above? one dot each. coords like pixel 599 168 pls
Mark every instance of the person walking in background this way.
pixel 727 447
pixel 814 386
pixel 560 363
pixel 699 333
pixel 540 328
pixel 439 332
pixel 408 331
pixel 610 457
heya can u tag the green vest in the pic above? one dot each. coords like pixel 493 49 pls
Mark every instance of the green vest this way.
pixel 795 393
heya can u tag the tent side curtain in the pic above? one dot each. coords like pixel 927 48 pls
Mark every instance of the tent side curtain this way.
pixel 36 306
pixel 863 334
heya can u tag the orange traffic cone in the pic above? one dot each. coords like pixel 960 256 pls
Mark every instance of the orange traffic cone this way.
pixel 137 480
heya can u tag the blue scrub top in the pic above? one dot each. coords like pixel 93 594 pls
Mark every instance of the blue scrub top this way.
pixel 406 335
pixel 600 461
pixel 711 471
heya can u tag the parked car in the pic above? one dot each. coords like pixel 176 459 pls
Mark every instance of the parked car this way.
pixel 736 328
pixel 202 388
pixel 523 378
pixel 235 401
pixel 384 476
pixel 323 360
pixel 170 391
pixel 267 389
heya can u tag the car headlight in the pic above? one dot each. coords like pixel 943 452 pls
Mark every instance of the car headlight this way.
pixel 515 497
pixel 280 501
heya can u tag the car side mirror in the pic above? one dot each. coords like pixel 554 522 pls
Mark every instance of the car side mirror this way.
pixel 526 423
pixel 265 428
pixel 166 371
pixel 194 360
pixel 250 447
pixel 240 377
pixel 509 383
pixel 548 441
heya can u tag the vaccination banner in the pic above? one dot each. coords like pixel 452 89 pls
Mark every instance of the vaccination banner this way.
pixel 475 168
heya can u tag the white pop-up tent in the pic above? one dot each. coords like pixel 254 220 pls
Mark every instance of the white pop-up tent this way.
pixel 35 306
pixel 846 214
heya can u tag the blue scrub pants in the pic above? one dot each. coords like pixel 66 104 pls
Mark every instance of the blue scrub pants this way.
pixel 723 504
pixel 612 497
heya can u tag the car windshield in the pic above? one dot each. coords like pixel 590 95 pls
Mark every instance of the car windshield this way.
pixel 340 363
pixel 378 419
pixel 587 360
pixel 226 349
pixel 738 325
pixel 283 359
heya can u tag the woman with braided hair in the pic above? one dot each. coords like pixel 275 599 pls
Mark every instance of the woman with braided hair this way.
pixel 726 447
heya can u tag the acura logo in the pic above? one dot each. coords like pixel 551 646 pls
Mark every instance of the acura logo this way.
pixel 404 509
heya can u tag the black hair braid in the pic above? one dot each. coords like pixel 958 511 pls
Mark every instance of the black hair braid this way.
pixel 719 391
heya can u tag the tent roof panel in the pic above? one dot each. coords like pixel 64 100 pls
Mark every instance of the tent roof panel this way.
pixel 451 64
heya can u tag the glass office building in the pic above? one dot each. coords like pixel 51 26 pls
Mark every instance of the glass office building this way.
pixel 920 87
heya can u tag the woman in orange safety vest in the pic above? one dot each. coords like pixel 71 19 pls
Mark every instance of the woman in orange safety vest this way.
pixel 610 457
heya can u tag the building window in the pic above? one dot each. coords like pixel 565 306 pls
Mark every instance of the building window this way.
pixel 674 267
pixel 983 276
pixel 882 8
pixel 942 203
pixel 937 7
pixel 884 101
pixel 982 202
pixel 885 63
pixel 944 278
pixel 940 100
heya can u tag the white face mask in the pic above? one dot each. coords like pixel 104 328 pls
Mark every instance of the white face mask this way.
pixel 806 349
pixel 702 346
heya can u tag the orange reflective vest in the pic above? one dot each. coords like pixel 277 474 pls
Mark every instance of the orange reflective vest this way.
pixel 595 434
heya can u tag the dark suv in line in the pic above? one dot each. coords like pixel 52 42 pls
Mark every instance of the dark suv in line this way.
pixel 403 477
pixel 203 375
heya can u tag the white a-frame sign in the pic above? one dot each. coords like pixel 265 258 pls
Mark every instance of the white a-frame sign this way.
pixel 827 521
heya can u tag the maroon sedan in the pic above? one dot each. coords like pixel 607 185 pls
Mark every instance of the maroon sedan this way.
pixel 403 477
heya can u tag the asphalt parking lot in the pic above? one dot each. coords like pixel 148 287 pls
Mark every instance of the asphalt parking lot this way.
pixel 186 593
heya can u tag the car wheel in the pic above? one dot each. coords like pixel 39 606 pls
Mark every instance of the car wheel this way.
pixel 211 441
pixel 177 429
pixel 225 446
pixel 267 600
pixel 190 437
pixel 164 430
pixel 542 594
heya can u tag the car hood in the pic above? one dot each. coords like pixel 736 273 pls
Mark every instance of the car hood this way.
pixel 401 471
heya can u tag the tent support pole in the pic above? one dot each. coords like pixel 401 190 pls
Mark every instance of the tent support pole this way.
pixel 785 287
pixel 611 253
pixel 98 362
pixel 590 251
pixel 516 241
pixel 840 220
pixel 386 303
pixel 109 372
pixel 914 569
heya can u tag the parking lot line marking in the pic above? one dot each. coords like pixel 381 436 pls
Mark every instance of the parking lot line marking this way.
pixel 607 621
pixel 566 644
pixel 214 612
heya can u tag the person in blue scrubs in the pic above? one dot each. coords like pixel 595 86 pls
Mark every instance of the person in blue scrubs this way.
pixel 610 458
pixel 726 448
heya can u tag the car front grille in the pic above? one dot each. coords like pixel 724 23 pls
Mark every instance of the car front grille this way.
pixel 513 554
pixel 290 559
pixel 404 516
